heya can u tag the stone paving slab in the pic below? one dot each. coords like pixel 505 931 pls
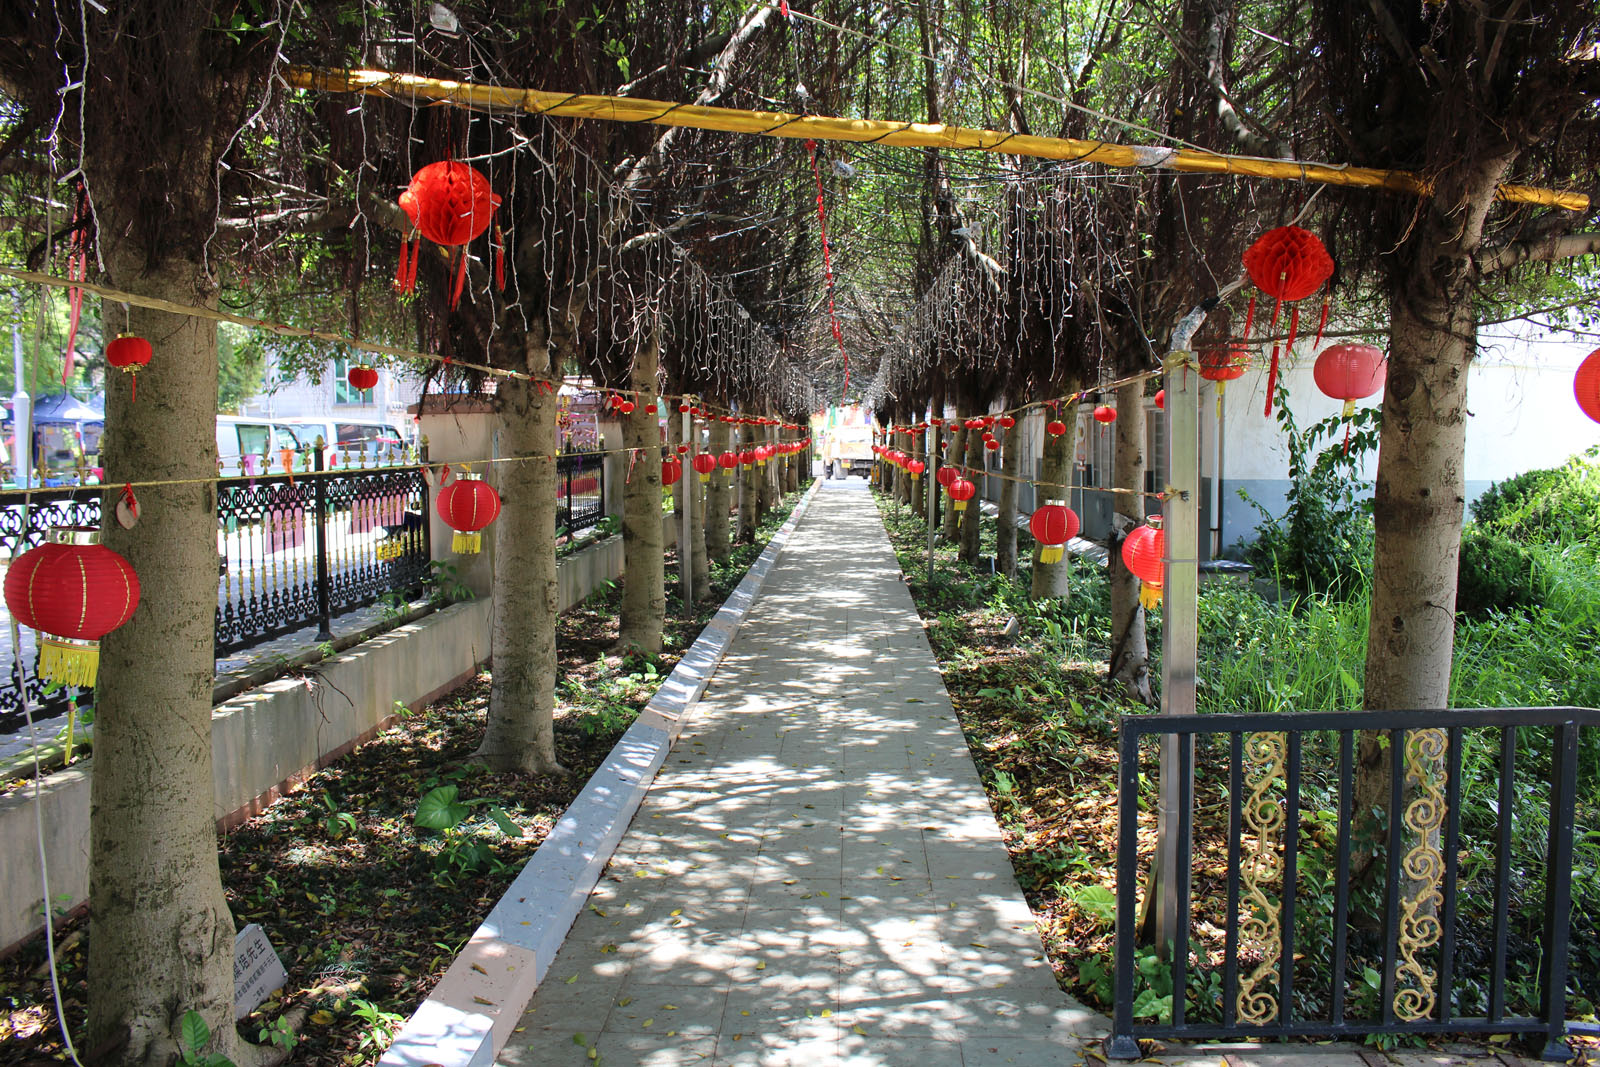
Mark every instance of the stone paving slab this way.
pixel 815 877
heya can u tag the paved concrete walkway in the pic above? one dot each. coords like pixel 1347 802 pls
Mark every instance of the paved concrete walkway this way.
pixel 815 877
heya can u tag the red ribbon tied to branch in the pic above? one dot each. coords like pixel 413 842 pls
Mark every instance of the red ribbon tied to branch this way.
pixel 827 265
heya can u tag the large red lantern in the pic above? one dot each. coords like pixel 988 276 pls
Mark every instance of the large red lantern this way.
pixel 450 203
pixel 467 505
pixel 704 464
pixel 1286 263
pixel 1053 525
pixel 1586 385
pixel 73 591
pixel 1349 373
pixel 916 467
pixel 960 492
pixel 728 460
pixel 362 377
pixel 128 354
pixel 1105 413
pixel 671 470
pixel 1143 553
pixel 947 476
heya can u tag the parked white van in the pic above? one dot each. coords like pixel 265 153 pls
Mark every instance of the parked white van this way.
pixel 369 437
pixel 243 440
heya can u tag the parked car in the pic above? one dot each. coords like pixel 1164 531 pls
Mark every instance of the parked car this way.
pixel 375 439
pixel 243 440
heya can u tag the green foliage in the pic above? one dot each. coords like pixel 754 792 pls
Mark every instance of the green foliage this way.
pixel 439 809
pixel 1323 542
pixel 1495 573
pixel 1557 506
pixel 196 1035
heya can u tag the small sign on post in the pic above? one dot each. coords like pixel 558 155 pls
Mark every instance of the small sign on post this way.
pixel 257 971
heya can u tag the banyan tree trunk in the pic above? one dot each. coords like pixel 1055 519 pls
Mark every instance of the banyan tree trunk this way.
pixel 644 597
pixel 1130 653
pixel 719 498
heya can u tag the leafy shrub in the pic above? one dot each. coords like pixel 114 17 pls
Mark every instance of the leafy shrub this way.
pixel 1495 573
pixel 1557 506
pixel 1323 543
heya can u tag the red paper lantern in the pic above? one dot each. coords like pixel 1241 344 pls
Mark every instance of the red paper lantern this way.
pixel 1053 525
pixel 990 443
pixel 362 377
pixel 1143 552
pixel 947 476
pixel 748 458
pixel 649 409
pixel 626 407
pixel 1105 413
pixel 73 591
pixel 1161 400
pixel 916 467
pixel 1055 427
pixel 1349 372
pixel 1006 421
pixel 973 424
pixel 1287 263
pixel 960 492
pixel 728 460
pixel 450 204
pixel 704 464
pixel 684 409
pixel 467 505
pixel 671 470
pixel 1586 385
pixel 1224 364
pixel 128 354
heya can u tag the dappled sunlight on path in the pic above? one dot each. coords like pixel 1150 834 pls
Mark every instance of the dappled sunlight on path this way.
pixel 815 877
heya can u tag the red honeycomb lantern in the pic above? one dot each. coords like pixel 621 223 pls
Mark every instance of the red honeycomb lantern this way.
pixel 960 492
pixel 671 470
pixel 1105 413
pixel 1053 525
pixel 450 204
pixel 1143 554
pixel 467 505
pixel 1286 263
pixel 704 464
pixel 362 377
pixel 73 591
pixel 1586 385
pixel 129 354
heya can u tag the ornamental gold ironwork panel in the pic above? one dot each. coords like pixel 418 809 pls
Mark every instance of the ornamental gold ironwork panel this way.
pixel 1259 923
pixel 1423 867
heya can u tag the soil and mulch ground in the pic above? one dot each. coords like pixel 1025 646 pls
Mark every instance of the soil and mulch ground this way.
pixel 365 908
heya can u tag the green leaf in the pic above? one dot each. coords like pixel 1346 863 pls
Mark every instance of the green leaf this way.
pixel 1147 1005
pixel 440 810
pixel 1098 901
pixel 508 826
pixel 196 1034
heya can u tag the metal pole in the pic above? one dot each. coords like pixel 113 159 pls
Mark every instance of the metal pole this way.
pixel 685 551
pixel 319 497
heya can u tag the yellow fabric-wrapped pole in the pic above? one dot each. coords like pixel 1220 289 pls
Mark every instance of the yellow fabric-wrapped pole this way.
pixel 904 134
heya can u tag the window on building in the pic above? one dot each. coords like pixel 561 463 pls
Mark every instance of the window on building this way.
pixel 343 391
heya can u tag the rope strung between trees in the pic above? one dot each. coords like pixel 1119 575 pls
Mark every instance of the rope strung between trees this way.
pixel 890 132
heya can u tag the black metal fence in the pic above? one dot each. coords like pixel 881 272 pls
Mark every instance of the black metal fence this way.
pixel 580 491
pixel 1305 910
pixel 296 551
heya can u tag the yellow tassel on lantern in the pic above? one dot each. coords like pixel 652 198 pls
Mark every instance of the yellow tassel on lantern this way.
pixel 1050 554
pixel 1349 408
pixel 74 663
pixel 466 543
pixel 1149 595
pixel 705 479
pixel 960 505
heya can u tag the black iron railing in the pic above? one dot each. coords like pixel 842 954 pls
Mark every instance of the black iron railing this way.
pixel 1303 912
pixel 580 491
pixel 296 551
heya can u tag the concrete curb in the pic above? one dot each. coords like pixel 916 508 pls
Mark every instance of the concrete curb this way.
pixel 470 1015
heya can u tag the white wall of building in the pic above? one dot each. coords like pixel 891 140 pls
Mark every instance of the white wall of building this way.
pixel 302 398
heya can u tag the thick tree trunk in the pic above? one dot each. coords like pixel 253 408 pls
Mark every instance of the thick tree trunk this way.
pixel 1055 469
pixel 520 732
pixel 972 518
pixel 718 497
pixel 1005 551
pixel 749 489
pixel 791 467
pixel 1130 654
pixel 699 557
pixel 160 932
pixel 769 475
pixel 954 455
pixel 644 597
